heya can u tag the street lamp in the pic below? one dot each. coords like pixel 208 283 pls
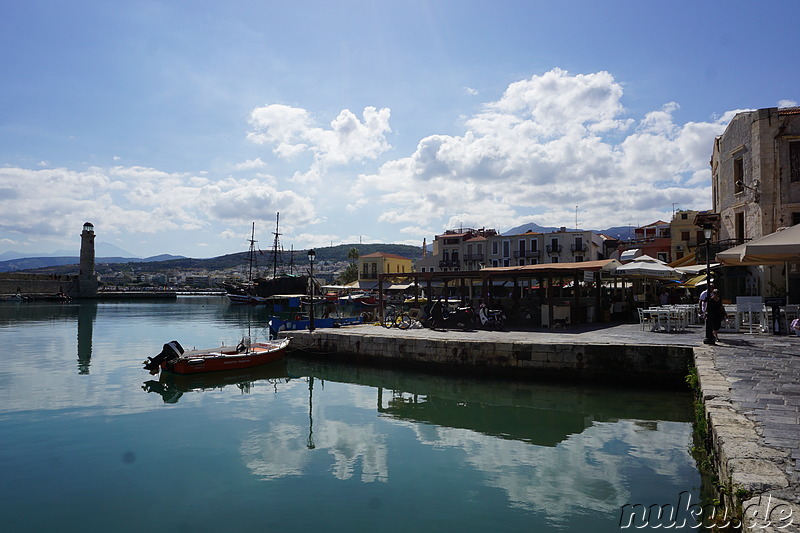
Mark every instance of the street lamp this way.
pixel 707 231
pixel 311 256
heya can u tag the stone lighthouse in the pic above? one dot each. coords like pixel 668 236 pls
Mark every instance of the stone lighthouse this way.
pixel 87 281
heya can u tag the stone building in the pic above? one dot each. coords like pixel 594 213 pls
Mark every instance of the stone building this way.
pixel 755 169
pixel 755 166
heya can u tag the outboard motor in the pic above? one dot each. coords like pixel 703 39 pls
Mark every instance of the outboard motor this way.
pixel 171 350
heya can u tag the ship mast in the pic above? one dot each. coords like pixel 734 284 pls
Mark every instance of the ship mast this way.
pixel 252 256
pixel 276 247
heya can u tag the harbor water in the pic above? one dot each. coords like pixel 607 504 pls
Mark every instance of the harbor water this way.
pixel 92 442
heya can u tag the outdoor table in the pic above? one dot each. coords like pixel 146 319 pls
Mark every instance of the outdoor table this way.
pixel 661 318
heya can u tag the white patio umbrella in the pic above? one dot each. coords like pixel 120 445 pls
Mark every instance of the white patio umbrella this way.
pixel 773 249
pixel 645 266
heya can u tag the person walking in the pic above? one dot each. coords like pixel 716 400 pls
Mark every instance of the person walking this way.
pixel 715 314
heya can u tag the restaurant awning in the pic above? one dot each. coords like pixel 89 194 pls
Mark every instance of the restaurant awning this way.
pixel 773 249
pixel 630 255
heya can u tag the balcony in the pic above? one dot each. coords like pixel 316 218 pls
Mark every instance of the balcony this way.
pixel 579 247
pixel 715 247
pixel 449 263
pixel 527 253
pixel 554 249
pixel 473 257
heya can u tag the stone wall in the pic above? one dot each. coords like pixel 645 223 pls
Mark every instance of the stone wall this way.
pixel 665 365
pixel 12 283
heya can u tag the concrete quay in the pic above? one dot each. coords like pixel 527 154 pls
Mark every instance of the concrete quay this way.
pixel 749 385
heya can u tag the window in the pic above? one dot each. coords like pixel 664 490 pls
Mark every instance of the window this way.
pixel 684 216
pixel 578 258
pixel 506 249
pixel 534 245
pixel 795 219
pixel 684 236
pixel 662 256
pixel 495 248
pixel 794 161
pixel 521 246
pixel 554 260
pixel 738 175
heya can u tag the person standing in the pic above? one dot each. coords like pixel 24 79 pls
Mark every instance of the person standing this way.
pixel 704 298
pixel 715 314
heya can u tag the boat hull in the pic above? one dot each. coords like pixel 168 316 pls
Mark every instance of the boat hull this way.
pixel 200 361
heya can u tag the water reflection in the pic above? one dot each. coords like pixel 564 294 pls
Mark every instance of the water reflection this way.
pixel 556 450
pixel 172 386
pixel 87 314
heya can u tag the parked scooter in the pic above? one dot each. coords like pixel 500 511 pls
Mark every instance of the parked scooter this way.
pixel 441 317
pixel 491 318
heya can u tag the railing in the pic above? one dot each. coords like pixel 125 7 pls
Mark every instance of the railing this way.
pixel 527 253
pixel 473 257
pixel 579 248
pixel 553 249
pixel 449 263
pixel 715 248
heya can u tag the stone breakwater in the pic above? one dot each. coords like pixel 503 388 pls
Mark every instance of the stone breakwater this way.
pixel 654 364
pixel 752 405
pixel 748 384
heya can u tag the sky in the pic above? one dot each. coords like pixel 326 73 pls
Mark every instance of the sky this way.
pixel 173 126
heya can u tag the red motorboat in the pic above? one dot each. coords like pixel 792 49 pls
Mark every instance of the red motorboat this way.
pixel 174 359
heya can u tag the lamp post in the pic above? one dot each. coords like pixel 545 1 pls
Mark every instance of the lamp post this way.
pixel 707 230
pixel 311 255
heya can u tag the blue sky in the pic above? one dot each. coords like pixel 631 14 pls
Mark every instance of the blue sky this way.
pixel 173 125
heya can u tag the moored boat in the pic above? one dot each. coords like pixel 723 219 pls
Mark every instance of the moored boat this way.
pixel 174 359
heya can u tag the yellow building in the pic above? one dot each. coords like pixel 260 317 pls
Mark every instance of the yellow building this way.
pixel 370 266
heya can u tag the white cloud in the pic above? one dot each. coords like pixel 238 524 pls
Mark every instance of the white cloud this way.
pixel 250 164
pixel 349 139
pixel 550 143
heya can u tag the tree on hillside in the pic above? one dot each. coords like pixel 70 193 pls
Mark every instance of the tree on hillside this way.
pixel 350 273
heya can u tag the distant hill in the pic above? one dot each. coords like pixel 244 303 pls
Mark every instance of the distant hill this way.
pixel 330 254
pixel 101 249
pixel 619 232
pixel 43 262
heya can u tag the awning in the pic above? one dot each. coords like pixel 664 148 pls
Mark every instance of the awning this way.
pixel 772 249
pixel 695 269
pixel 630 255
pixel 694 282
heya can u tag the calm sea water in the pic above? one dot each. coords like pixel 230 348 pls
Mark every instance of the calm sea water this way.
pixel 91 442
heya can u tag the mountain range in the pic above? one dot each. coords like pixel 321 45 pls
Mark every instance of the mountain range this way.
pixel 620 232
pixel 108 253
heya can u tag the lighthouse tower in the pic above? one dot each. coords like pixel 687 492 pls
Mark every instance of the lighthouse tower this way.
pixel 87 281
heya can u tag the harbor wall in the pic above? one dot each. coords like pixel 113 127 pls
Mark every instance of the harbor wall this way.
pixel 649 364
pixel 12 283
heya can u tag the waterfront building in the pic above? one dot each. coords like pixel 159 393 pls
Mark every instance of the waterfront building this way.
pixel 372 265
pixel 686 236
pixel 456 250
pixel 531 248
pixel 755 185
pixel 654 239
